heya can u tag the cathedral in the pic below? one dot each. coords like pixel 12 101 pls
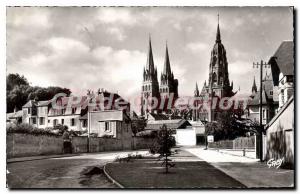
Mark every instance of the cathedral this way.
pixel 165 93
pixel 218 85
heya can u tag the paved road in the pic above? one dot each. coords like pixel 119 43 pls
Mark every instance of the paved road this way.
pixel 65 172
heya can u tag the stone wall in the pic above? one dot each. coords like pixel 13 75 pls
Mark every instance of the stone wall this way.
pixel 20 145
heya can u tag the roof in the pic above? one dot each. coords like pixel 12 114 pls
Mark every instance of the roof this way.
pixel 256 101
pixel 266 96
pixel 171 124
pixel 108 115
pixel 281 110
pixel 158 116
pixel 43 103
pixel 29 104
pixel 284 57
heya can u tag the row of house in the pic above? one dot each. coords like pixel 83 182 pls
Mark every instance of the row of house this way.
pixel 101 112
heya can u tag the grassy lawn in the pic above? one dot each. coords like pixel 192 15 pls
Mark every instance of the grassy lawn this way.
pixel 148 173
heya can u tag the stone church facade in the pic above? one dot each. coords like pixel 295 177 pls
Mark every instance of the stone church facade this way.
pixel 165 93
pixel 218 85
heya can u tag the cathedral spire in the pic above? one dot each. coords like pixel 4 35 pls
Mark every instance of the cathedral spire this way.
pixel 167 66
pixel 254 88
pixel 150 62
pixel 218 37
pixel 196 92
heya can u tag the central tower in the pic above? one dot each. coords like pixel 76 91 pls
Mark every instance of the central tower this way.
pixel 218 82
pixel 218 69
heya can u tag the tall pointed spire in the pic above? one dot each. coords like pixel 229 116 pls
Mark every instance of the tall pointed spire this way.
pixel 196 92
pixel 218 37
pixel 167 66
pixel 150 62
pixel 254 88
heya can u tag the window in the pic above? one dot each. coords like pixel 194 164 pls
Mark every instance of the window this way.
pixel 29 110
pixel 42 120
pixel 55 122
pixel 73 110
pixel 62 121
pixel 48 120
pixel 72 122
pixel 271 92
pixel 107 127
pixel 264 114
pixel 84 124
pixel 33 121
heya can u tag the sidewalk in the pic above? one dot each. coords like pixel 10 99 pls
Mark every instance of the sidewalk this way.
pixel 248 171
pixel 238 152
pixel 30 158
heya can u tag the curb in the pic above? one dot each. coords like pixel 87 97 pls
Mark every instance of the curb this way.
pixel 235 155
pixel 111 179
pixel 15 160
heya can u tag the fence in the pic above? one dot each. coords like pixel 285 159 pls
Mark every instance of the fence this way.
pixel 238 143
pixel 19 145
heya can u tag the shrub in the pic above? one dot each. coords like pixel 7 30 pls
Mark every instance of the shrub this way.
pixel 28 129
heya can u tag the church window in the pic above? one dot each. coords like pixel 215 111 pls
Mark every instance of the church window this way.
pixel 214 78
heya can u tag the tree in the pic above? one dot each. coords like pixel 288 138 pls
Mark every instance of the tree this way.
pixel 18 92
pixel 13 80
pixel 228 126
pixel 164 142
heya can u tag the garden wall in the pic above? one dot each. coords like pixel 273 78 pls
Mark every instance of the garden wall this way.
pixel 19 145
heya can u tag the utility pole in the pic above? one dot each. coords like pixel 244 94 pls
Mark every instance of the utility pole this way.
pixel 260 65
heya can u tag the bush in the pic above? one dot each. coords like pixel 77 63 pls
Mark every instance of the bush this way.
pixel 28 129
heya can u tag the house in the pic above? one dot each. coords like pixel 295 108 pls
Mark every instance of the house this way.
pixel 109 123
pixel 71 111
pixel 35 113
pixel 269 101
pixel 182 130
pixel 280 130
pixel 199 128
pixel 15 117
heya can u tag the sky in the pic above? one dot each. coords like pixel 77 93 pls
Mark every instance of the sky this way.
pixel 85 48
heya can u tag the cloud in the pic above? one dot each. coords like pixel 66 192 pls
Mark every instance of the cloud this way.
pixel 117 32
pixel 105 47
pixel 31 18
pixel 116 15
pixel 197 47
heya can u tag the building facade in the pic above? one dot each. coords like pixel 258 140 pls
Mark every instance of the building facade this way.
pixel 218 85
pixel 280 129
pixel 155 97
pixel 71 111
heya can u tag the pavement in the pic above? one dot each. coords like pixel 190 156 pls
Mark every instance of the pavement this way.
pixel 248 171
pixel 239 152
pixel 61 172
pixel 30 158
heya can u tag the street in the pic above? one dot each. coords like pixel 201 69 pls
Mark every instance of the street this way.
pixel 84 171
pixel 65 172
